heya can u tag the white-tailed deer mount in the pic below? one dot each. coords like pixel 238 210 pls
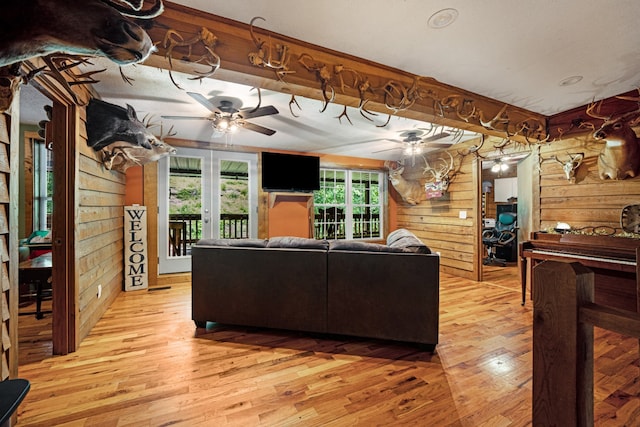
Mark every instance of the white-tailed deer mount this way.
pixel 411 191
pixel 620 157
pixel 570 165
pixel 438 183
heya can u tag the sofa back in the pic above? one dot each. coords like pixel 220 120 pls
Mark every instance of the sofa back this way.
pixel 266 287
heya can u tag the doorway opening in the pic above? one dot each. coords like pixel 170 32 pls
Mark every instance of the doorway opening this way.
pixel 500 216
pixel 35 206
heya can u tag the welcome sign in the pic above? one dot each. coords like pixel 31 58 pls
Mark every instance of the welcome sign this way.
pixel 136 261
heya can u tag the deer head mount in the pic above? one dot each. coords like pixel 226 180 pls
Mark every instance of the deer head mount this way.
pixel 123 139
pixel 620 156
pixel 411 191
pixel 570 165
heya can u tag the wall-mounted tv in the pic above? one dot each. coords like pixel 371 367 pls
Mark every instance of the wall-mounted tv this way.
pixel 290 172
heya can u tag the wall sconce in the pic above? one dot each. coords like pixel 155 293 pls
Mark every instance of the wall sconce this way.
pixel 486 186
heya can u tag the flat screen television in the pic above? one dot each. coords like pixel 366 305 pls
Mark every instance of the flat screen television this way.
pixel 290 172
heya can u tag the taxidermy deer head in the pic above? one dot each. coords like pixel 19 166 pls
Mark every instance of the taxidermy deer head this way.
pixel 33 28
pixel 411 191
pixel 116 131
pixel 108 123
pixel 620 157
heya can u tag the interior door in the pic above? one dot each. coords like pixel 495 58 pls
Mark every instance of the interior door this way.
pixel 203 194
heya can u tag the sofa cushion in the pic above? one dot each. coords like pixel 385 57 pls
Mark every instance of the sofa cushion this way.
pixel 403 238
pixel 355 245
pixel 241 243
pixel 297 243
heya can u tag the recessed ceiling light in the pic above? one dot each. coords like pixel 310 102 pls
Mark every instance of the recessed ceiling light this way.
pixel 442 18
pixel 570 81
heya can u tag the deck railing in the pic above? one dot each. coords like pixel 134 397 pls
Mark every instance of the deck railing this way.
pixel 564 316
pixel 334 227
pixel 186 229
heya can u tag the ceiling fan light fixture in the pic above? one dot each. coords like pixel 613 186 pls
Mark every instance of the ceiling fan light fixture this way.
pixel 224 125
pixel 499 166
pixel 413 150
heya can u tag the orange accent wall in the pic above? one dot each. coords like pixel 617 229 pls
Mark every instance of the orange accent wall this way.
pixel 134 188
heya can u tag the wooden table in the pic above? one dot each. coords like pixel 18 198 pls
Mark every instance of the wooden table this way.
pixel 38 272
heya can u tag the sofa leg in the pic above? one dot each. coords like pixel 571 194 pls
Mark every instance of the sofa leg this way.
pixel 430 348
pixel 200 323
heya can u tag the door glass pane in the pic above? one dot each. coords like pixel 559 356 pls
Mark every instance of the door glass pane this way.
pixel 365 193
pixel 330 205
pixel 234 199
pixel 185 204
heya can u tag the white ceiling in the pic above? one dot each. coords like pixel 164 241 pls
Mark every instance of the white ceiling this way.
pixel 516 52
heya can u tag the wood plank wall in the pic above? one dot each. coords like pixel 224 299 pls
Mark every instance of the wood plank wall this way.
pixel 436 221
pixel 589 202
pixel 8 264
pixel 99 235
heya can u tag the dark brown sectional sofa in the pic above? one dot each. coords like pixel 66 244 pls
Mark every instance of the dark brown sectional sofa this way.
pixel 354 288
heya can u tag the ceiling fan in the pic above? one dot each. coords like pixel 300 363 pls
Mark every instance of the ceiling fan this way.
pixel 414 141
pixel 228 115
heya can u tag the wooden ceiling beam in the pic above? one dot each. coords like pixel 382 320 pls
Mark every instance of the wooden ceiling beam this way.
pixel 425 98
pixel 576 122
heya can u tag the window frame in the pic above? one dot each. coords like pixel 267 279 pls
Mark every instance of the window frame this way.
pixel 331 225
pixel 42 181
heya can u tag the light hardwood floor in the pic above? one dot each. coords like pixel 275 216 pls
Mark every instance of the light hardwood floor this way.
pixel 144 364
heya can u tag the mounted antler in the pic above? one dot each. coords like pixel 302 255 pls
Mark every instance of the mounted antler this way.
pixel 439 183
pixel 270 57
pixel 440 174
pixel 570 166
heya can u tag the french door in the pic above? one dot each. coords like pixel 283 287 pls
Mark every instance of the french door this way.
pixel 204 194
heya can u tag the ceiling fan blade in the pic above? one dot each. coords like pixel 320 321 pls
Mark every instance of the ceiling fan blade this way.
pixel 388 149
pixel 436 137
pixel 185 118
pixel 257 128
pixel 203 101
pixel 262 111
pixel 348 144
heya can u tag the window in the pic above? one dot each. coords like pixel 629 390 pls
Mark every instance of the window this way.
pixel 348 205
pixel 42 186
